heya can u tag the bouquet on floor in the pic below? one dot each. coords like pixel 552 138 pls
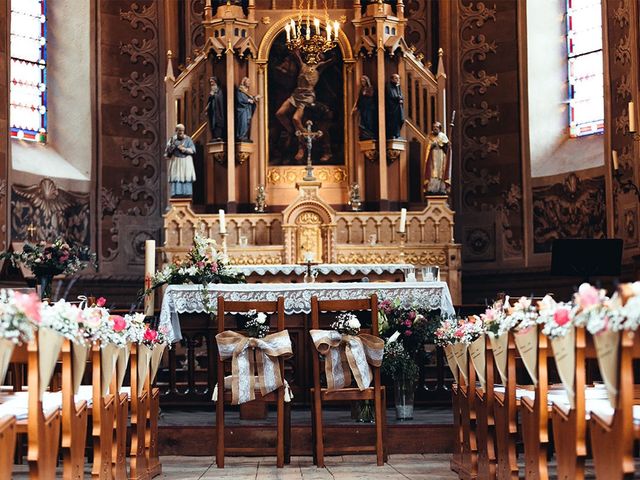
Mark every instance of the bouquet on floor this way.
pixel 414 327
pixel 204 264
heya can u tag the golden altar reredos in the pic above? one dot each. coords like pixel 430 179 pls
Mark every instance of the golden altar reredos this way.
pixel 304 217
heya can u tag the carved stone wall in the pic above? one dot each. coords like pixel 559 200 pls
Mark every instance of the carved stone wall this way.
pixel 131 140
pixel 574 208
pixel 487 160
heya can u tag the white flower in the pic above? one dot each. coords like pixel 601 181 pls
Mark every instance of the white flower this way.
pixel 353 323
pixel 261 318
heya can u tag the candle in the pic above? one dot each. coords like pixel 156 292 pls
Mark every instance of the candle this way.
pixel 287 29
pixel 336 28
pixel 632 117
pixel 149 271
pixel 316 22
pixel 403 220
pixel 223 224
pixel 328 32
pixel 614 157
pixel 293 28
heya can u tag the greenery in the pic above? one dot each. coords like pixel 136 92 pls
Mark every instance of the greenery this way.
pixel 52 258
pixel 397 363
pixel 414 327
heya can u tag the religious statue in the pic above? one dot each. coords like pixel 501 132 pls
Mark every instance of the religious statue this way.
pixel 436 162
pixel 215 110
pixel 366 106
pixel 304 95
pixel 245 108
pixel 394 100
pixel 308 136
pixel 261 197
pixel 182 173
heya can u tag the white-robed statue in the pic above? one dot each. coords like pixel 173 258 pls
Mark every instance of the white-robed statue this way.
pixel 437 169
pixel 182 173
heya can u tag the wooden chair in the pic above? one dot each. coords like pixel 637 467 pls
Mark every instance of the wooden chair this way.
pixel 456 457
pixel 139 468
pixel 7 445
pixel 614 434
pixel 121 416
pixel 151 443
pixel 376 392
pixel 278 396
pixel 485 424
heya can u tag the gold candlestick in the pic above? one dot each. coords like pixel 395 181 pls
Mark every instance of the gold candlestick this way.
pixel 401 256
pixel 224 241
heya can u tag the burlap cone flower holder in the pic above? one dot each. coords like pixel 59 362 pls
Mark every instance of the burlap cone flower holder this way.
pixel 462 359
pixel 477 352
pixel 122 363
pixel 500 348
pixel 108 360
pixel 607 345
pixel 79 353
pixel 144 361
pixel 49 345
pixel 564 352
pixel 156 358
pixel 451 361
pixel 6 350
pixel 527 344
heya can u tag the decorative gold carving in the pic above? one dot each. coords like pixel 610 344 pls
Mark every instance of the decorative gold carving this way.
pixel 265 20
pixel 242 157
pixel 309 236
pixel 393 155
pixel 291 175
pixel 248 259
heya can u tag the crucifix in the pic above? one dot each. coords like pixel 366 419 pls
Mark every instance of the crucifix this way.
pixel 31 231
pixel 309 137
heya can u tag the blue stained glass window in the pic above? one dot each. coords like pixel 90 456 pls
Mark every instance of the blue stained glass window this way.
pixel 28 86
pixel 586 78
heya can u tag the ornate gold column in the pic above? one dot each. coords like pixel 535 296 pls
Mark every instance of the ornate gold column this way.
pixel 231 118
pixel 382 124
pixel 263 139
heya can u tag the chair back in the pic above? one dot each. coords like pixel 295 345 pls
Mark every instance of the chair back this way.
pixel 227 306
pixel 352 305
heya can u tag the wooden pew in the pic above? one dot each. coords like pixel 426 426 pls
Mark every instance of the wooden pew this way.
pixel 121 417
pixel 151 444
pixel 7 445
pixel 505 413
pixel 614 434
pixel 467 389
pixel 103 415
pixel 456 457
pixel 485 424
pixel 138 466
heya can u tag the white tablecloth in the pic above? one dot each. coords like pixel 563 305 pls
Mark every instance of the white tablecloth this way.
pixel 297 296
pixel 323 268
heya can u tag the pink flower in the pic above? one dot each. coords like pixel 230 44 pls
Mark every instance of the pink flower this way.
pixel 214 267
pixel 588 295
pixel 489 315
pixel 459 333
pixel 150 335
pixel 64 257
pixel 119 323
pixel 408 333
pixel 561 316
pixel 407 323
pixel 412 315
pixel 101 302
pixel 29 304
pixel 200 264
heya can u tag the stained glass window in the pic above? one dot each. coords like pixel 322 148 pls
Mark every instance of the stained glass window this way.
pixel 586 80
pixel 28 88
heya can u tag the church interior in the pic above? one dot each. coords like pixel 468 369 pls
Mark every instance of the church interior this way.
pixel 319 238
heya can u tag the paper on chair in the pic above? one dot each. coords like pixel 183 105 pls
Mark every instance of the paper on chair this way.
pixel 49 345
pixel 527 345
pixel 500 348
pixel 564 352
pixel 477 352
pixel 607 345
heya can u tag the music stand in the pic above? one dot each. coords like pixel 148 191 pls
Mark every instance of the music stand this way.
pixel 586 257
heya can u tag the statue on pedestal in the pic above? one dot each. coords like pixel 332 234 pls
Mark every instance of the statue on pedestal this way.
pixel 182 174
pixel 367 108
pixel 437 162
pixel 245 108
pixel 215 110
pixel 394 107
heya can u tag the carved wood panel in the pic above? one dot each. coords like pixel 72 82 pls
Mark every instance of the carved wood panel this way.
pixel 131 137
pixel 4 120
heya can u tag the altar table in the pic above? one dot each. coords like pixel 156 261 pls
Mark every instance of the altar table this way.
pixel 297 297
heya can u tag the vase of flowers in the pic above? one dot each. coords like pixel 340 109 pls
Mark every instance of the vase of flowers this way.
pixel 400 366
pixel 46 260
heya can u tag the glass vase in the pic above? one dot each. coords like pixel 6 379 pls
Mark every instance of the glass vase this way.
pixel 404 388
pixel 366 412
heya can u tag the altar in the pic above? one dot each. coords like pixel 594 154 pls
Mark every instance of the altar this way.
pixel 191 325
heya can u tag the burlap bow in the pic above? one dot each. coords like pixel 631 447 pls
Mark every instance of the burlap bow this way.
pixel 246 354
pixel 345 354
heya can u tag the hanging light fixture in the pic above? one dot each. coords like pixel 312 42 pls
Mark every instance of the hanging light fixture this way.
pixel 309 35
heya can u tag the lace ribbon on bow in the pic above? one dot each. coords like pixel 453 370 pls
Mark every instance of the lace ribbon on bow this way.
pixel 345 354
pixel 250 357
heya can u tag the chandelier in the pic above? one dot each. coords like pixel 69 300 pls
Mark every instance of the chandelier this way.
pixel 310 36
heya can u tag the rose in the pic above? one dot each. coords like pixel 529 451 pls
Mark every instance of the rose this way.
pixel 561 316
pixel 119 323
pixel 407 323
pixel 353 323
pixel 412 315
pixel 150 335
pixel 92 318
pixel 587 296
pixel 261 318
pixel 101 302
pixel 29 304
pixel 408 333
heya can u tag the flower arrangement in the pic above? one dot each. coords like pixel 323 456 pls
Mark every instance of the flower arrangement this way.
pixel 397 363
pixel 445 334
pixel 204 264
pixel 469 329
pixel 521 316
pixel 493 318
pixel 347 324
pixel 62 317
pixel 414 326
pixel 19 313
pixel 555 317
pixel 152 336
pixel 57 258
pixel 256 324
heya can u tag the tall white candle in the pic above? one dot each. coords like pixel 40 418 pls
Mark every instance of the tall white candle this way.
pixel 316 22
pixel 293 28
pixel 328 31
pixel 336 28
pixel 223 223
pixel 149 271
pixel 632 117
pixel 287 29
pixel 403 220
pixel 614 158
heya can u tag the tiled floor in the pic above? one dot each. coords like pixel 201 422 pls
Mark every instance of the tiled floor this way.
pixel 399 467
